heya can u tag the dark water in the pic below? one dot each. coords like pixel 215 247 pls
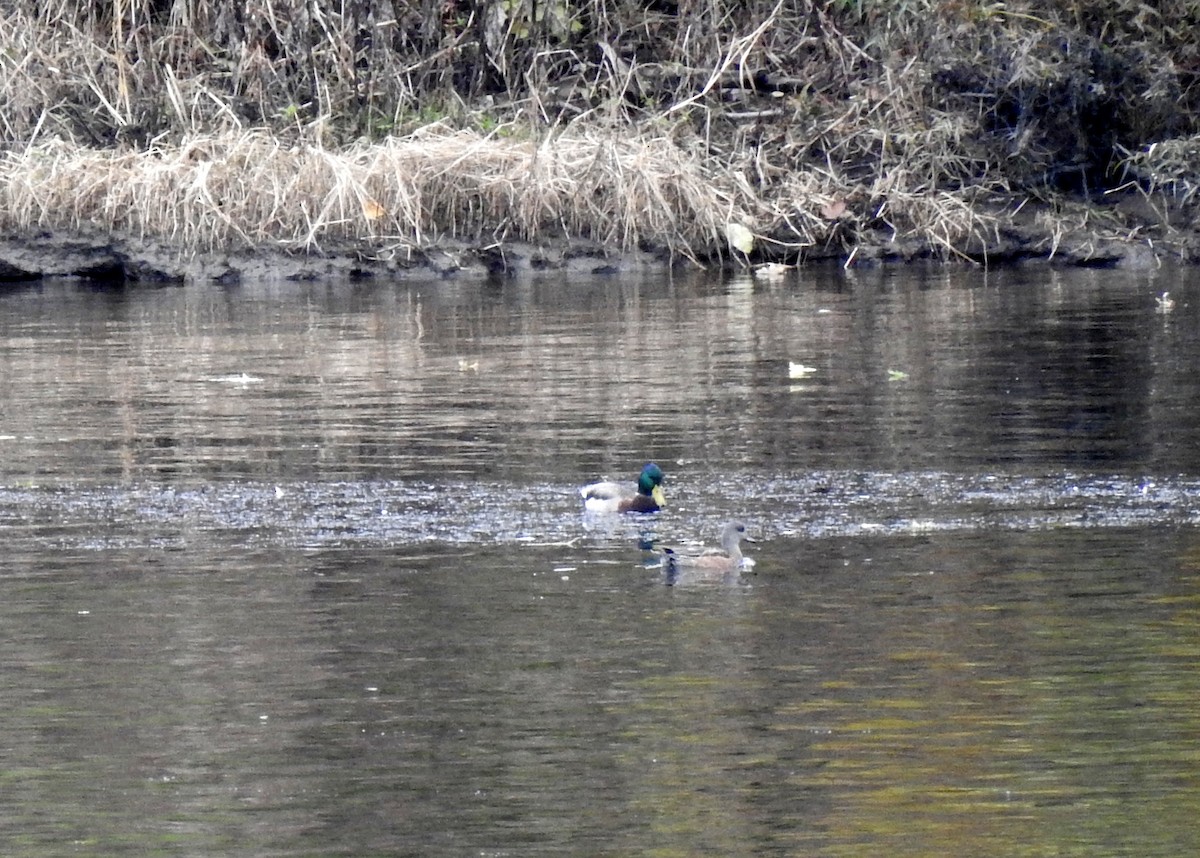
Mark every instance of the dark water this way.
pixel 300 569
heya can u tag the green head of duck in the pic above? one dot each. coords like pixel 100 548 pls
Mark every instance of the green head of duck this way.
pixel 650 483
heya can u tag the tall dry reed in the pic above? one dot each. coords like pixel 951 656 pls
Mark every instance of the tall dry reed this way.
pixel 805 121
pixel 246 188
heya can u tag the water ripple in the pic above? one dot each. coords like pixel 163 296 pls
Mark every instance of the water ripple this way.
pixel 817 505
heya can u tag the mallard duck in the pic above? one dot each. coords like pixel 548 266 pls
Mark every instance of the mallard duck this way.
pixel 646 496
pixel 713 562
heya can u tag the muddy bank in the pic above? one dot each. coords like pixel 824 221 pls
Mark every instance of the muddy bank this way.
pixel 1128 232
pixel 483 138
pixel 473 138
pixel 115 258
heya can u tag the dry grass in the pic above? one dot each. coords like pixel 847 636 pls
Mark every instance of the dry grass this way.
pixel 395 125
pixel 249 188
pixel 1169 167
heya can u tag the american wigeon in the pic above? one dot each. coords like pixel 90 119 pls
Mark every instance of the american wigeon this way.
pixel 711 563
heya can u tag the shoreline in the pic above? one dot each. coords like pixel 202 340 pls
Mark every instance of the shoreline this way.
pixel 143 144
pixel 1149 240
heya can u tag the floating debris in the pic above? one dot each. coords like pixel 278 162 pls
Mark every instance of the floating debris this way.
pixel 773 271
pixel 815 505
pixel 242 379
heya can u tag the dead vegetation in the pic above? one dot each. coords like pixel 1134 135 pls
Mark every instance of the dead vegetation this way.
pixel 248 188
pixel 393 124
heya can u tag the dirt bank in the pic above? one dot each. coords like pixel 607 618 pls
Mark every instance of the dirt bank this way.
pixel 152 141
pixel 1125 232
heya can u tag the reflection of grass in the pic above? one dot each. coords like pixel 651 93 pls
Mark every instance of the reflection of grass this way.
pixel 689 756
pixel 1087 749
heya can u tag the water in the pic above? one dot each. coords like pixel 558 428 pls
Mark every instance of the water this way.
pixel 300 569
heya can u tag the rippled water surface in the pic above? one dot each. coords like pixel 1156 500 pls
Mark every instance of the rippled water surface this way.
pixel 300 569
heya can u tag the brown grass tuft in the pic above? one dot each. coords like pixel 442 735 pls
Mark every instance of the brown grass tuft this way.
pixel 807 122
pixel 248 188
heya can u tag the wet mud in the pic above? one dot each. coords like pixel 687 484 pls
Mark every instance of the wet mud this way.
pixel 1128 232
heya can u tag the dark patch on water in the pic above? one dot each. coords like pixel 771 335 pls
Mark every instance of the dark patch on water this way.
pixel 399 513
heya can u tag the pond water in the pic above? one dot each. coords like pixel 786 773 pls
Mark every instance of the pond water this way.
pixel 301 569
